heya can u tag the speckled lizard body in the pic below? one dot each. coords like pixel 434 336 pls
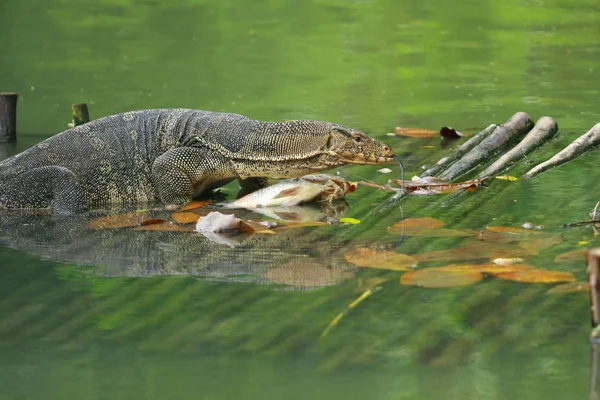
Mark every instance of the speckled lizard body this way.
pixel 173 155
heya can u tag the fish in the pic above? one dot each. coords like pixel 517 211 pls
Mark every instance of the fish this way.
pixel 291 192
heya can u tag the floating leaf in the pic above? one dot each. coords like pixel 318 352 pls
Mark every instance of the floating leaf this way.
pixel 152 221
pixel 185 217
pixel 119 221
pixel 421 223
pixel 583 242
pixel 440 277
pixel 570 287
pixel 384 170
pixel 507 178
pixel 195 204
pixel 417 133
pixel 537 276
pixel 507 261
pixel 389 260
pixel 351 221
pixel 571 256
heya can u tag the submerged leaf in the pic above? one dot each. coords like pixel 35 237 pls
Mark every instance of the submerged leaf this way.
pixel 537 276
pixel 119 221
pixel 427 226
pixel 389 260
pixel 511 230
pixel 571 256
pixel 440 277
pixel 570 287
pixel 163 226
pixel 541 243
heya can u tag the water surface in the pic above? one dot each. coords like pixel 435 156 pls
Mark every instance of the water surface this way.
pixel 124 314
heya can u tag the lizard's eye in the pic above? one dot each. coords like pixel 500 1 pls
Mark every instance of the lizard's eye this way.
pixel 357 139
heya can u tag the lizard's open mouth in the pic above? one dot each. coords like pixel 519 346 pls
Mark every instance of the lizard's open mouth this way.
pixel 360 158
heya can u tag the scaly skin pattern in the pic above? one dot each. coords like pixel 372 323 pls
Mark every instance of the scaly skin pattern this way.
pixel 173 155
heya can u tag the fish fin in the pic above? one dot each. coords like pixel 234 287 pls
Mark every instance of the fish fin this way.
pixel 287 193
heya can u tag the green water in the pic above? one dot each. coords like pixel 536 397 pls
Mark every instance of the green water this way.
pixel 124 314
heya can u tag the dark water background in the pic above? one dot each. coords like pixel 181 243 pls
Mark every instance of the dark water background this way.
pixel 113 314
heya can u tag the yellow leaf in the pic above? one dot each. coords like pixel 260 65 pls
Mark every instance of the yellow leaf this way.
pixel 352 221
pixel 537 276
pixel 507 178
pixel 583 242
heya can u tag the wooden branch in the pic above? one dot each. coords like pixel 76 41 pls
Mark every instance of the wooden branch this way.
pixel 515 128
pixel 593 270
pixel 460 151
pixel 545 129
pixel 580 145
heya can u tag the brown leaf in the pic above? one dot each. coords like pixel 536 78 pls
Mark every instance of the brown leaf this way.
pixel 164 227
pixel 389 260
pixel 185 217
pixel 570 287
pixel 119 221
pixel 440 278
pixel 196 204
pixel 571 256
pixel 537 276
pixel 475 250
pixel 428 227
pixel 417 133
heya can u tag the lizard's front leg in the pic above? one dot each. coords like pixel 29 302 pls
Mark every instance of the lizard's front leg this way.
pixel 183 173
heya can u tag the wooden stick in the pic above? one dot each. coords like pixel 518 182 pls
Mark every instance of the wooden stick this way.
pixel 80 114
pixel 8 117
pixel 460 151
pixel 593 270
pixel 544 130
pixel 580 145
pixel 515 128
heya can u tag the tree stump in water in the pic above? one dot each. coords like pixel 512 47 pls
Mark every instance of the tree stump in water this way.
pixel 8 117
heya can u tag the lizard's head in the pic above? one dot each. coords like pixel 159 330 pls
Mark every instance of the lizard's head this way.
pixel 349 146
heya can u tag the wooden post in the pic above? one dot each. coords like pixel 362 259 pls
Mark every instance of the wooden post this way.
pixel 593 270
pixel 8 117
pixel 80 114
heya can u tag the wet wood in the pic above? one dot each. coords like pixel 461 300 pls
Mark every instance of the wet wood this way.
pixel 544 130
pixel 460 151
pixel 593 271
pixel 579 146
pixel 513 129
pixel 8 117
pixel 80 114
